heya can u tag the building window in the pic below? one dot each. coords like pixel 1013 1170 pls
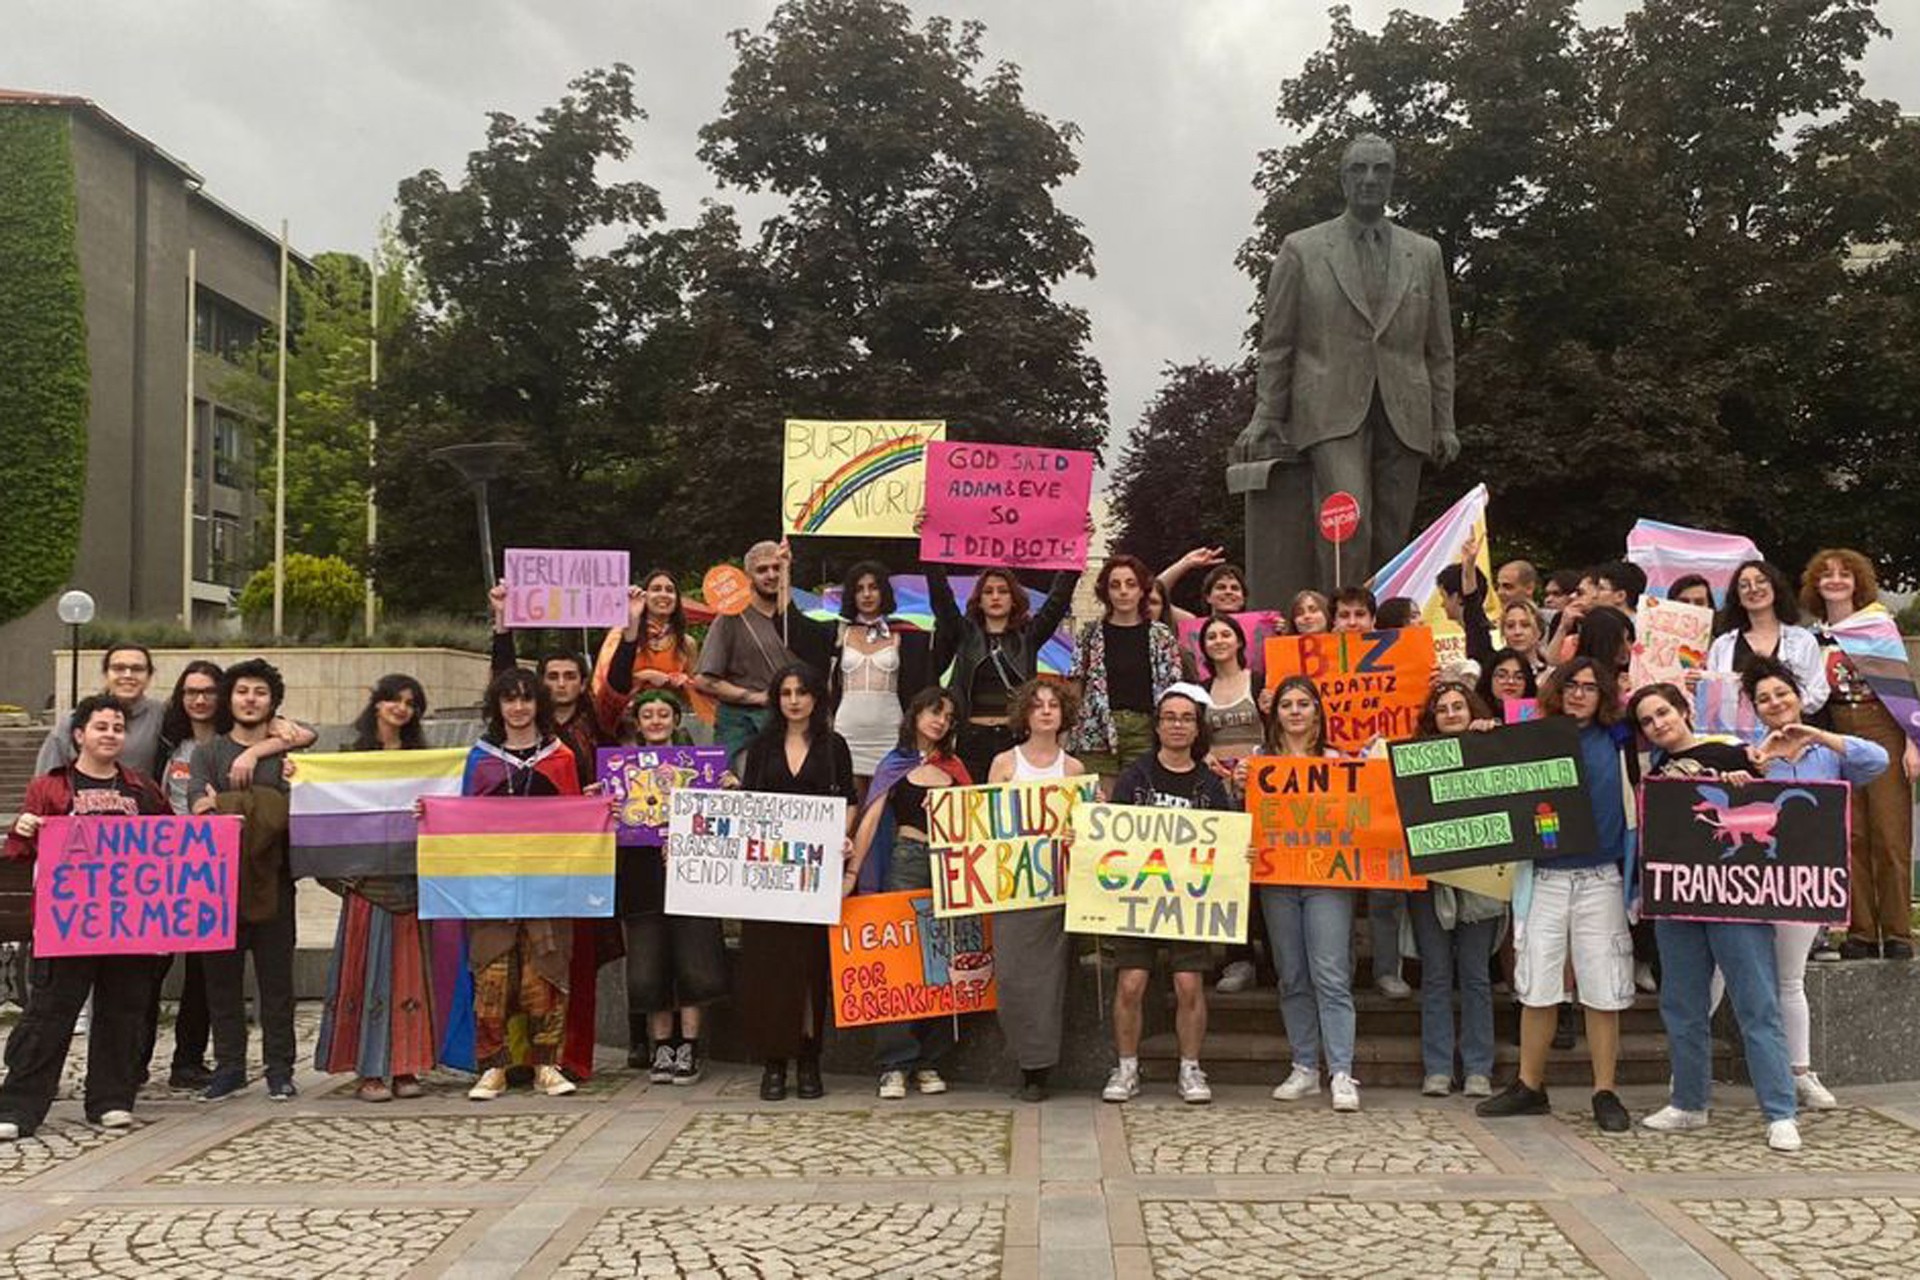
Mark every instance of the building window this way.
pixel 224 550
pixel 229 444
pixel 220 328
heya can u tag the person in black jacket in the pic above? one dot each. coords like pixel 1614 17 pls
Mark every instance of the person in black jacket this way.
pixel 994 648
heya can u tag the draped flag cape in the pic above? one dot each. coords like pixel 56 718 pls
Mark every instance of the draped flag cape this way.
pixel 1873 644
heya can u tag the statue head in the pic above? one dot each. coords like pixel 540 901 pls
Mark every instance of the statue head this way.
pixel 1366 176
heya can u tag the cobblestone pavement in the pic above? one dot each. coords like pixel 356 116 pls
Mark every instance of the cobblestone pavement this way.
pixel 633 1179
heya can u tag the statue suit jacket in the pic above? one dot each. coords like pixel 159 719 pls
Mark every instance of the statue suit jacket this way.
pixel 1321 351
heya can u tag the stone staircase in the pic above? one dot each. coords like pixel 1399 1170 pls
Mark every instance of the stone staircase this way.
pixel 18 747
pixel 1246 1043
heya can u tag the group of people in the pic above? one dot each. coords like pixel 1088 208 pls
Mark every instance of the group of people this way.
pixel 877 711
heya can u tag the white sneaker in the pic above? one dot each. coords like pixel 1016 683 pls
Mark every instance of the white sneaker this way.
pixel 491 1084
pixel 1643 976
pixel 9 1131
pixel 1812 1093
pixel 1298 1084
pixel 1783 1135
pixel 1123 1085
pixel 1346 1094
pixel 927 1080
pixel 115 1120
pixel 551 1082
pixel 1478 1087
pixel 1236 977
pixel 1436 1086
pixel 1671 1119
pixel 893 1085
pixel 1393 987
pixel 1193 1084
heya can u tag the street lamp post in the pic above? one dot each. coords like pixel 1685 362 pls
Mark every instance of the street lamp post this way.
pixel 477 464
pixel 75 609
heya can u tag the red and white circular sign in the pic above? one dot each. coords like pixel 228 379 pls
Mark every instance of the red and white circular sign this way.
pixel 1339 517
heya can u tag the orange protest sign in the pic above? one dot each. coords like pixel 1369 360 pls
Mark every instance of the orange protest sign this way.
pixel 893 961
pixel 1372 683
pixel 1324 821
pixel 726 589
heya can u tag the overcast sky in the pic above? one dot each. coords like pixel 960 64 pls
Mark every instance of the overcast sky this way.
pixel 313 110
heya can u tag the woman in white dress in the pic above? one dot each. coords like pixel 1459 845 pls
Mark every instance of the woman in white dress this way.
pixel 880 662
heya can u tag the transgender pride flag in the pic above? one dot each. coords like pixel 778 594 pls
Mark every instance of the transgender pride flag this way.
pixel 1414 572
pixel 1670 551
pixel 1873 643
pixel 516 857
pixel 352 811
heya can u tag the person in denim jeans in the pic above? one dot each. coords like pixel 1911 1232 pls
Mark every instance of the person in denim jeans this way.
pixel 1311 931
pixel 1447 920
pixel 1690 950
pixel 890 854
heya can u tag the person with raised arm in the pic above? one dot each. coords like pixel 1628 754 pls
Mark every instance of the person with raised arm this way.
pixel 1124 663
pixel 654 651
pixel 744 650
pixel 1224 588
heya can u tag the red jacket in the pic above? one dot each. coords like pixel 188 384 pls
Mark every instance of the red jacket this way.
pixel 51 796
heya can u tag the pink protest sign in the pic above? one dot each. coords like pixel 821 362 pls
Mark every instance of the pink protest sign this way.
pixel 553 588
pixel 1670 639
pixel 1006 505
pixel 140 886
pixel 1255 624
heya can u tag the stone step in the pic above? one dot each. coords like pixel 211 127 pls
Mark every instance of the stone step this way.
pixel 1257 1010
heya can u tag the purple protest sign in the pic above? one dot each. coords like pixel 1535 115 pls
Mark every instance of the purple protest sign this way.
pixel 1255 624
pixel 135 886
pixel 555 588
pixel 1006 504
pixel 640 779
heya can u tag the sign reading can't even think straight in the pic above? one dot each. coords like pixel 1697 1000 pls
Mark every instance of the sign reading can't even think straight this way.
pixel 1473 799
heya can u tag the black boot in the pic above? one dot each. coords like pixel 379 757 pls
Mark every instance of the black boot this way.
pixel 773 1080
pixel 809 1072
pixel 638 1058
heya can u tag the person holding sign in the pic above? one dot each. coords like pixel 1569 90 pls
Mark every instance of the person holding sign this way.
pixel 744 651
pixel 1171 776
pixel 891 855
pixel 95 783
pixel 1760 620
pixel 1456 931
pixel 1692 950
pixel 785 984
pixel 1125 664
pixel 652 652
pixel 994 648
pixel 1575 905
pixel 1031 950
pixel 1796 750
pixel 564 673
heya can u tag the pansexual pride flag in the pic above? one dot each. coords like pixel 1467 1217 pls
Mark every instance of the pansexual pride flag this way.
pixel 352 811
pixel 1872 642
pixel 516 857
pixel 1670 551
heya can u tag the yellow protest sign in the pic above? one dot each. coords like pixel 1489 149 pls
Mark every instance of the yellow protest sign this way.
pixel 855 479
pixel 1175 874
pixel 1495 881
pixel 1001 847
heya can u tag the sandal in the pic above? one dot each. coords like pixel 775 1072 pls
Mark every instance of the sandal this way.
pixel 408 1087
pixel 373 1090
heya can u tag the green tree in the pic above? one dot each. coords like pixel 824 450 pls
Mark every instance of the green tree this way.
pixel 911 273
pixel 323 597
pixel 1655 312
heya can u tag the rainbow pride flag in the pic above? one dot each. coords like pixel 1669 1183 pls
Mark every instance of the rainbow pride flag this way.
pixel 516 857
pixel 352 811
pixel 1872 643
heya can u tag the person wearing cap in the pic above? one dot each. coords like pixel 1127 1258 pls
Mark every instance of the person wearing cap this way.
pixel 1173 775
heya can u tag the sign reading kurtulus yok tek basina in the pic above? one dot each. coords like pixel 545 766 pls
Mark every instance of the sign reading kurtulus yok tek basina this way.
pixel 1515 792
pixel 1002 847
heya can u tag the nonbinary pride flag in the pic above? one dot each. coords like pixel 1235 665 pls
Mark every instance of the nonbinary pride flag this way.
pixel 516 857
pixel 352 811
pixel 1872 643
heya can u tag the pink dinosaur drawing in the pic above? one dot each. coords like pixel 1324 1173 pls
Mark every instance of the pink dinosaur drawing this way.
pixel 1754 821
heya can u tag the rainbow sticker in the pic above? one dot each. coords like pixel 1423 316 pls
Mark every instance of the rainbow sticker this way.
pixel 1546 825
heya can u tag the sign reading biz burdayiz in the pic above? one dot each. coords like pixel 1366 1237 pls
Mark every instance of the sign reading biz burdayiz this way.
pixel 1478 798
pixel 1773 851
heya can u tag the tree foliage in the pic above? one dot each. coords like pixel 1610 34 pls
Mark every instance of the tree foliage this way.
pixel 323 597
pixel 1650 250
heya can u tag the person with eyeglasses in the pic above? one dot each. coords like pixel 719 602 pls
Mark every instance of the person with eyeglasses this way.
pixel 1761 620
pixel 1507 677
pixel 127 671
pixel 1170 776
pixel 1575 905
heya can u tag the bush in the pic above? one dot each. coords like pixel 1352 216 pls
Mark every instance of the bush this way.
pixel 324 596
pixel 1908 619
pixel 416 631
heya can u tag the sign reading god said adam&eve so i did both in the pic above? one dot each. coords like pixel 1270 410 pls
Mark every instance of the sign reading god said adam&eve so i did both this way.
pixel 1006 504
pixel 1178 874
pixel 1477 798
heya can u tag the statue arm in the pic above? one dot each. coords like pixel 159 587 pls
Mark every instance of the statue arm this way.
pixel 1446 441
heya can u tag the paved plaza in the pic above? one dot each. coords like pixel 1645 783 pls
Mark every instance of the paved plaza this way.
pixel 633 1179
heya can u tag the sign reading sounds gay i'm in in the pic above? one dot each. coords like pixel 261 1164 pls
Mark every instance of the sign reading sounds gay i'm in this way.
pixel 1372 683
pixel 1176 874
pixel 119 886
pixel 855 479
pixel 1773 851
pixel 753 855
pixel 1477 798
pixel 1001 847
pixel 1006 504
pixel 550 588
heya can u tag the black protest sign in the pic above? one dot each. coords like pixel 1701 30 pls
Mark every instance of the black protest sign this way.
pixel 1475 799
pixel 1772 851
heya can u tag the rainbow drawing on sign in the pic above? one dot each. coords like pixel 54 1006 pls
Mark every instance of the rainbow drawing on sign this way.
pixel 1546 825
pixel 855 475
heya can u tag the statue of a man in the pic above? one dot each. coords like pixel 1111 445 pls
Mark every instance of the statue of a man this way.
pixel 1355 370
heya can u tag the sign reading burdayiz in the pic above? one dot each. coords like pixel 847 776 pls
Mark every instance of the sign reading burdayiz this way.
pixel 1515 792
pixel 1774 851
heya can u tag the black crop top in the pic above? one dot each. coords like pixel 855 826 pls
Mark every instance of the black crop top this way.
pixel 908 804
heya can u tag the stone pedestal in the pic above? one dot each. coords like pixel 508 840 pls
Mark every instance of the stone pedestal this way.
pixel 1281 533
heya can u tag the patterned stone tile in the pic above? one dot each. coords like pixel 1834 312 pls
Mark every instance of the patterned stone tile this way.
pixel 1867 1238
pixel 1202 1240
pixel 876 1241
pixel 306 1030
pixel 1844 1140
pixel 839 1144
pixel 53 1144
pixel 1260 1140
pixel 192 1244
pixel 339 1150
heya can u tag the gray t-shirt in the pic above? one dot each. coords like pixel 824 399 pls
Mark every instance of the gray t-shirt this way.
pixel 212 760
pixel 744 649
pixel 142 750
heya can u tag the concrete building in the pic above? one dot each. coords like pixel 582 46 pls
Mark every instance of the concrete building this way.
pixel 140 210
